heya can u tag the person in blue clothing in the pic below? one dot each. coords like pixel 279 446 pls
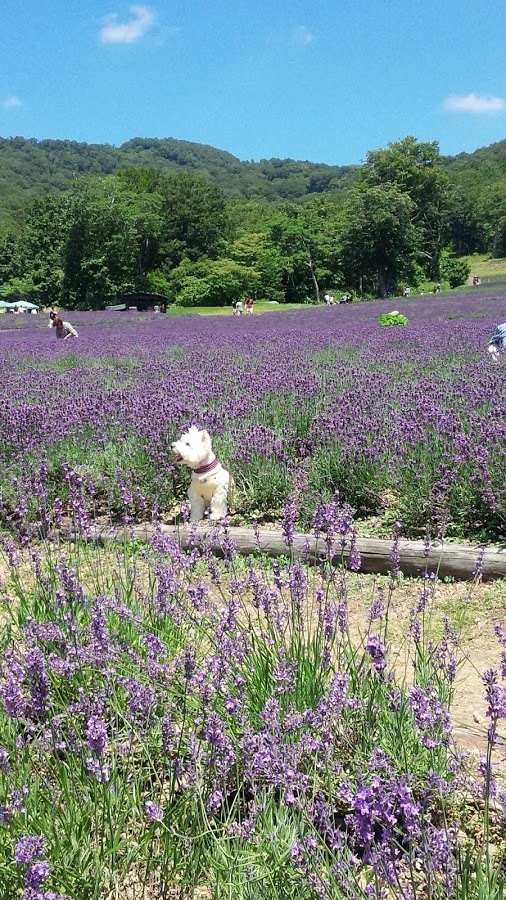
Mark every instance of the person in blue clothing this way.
pixel 497 343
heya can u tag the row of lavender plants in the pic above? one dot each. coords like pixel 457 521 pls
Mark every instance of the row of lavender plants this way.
pixel 172 725
pixel 406 423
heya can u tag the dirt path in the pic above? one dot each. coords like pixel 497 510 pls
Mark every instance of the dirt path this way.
pixel 472 610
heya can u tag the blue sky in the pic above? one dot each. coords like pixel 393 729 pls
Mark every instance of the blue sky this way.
pixel 324 81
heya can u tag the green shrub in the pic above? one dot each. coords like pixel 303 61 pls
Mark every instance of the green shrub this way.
pixel 454 271
pixel 393 318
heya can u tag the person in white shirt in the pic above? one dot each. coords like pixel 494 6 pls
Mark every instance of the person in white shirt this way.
pixel 64 330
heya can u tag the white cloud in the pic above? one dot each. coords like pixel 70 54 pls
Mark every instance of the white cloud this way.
pixel 11 102
pixel 114 32
pixel 301 36
pixel 471 103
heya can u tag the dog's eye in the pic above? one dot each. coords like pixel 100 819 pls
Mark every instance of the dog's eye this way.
pixel 187 443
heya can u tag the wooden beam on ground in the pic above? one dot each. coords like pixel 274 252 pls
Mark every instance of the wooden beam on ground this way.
pixel 445 559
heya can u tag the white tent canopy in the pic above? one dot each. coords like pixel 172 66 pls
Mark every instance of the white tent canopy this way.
pixel 18 304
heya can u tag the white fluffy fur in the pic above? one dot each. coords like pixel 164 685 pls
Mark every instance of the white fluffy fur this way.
pixel 495 352
pixel 206 491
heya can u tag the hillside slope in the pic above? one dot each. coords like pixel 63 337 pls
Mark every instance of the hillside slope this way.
pixel 30 168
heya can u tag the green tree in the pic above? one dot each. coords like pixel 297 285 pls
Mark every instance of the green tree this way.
pixel 33 257
pixel 194 219
pixel 454 271
pixel 256 252
pixel 41 248
pixel 100 254
pixel 212 282
pixel 466 227
pixel 492 212
pixel 379 240
pixel 416 169
pixel 307 238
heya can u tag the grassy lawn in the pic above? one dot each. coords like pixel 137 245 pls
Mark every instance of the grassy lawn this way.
pixel 261 306
pixel 485 267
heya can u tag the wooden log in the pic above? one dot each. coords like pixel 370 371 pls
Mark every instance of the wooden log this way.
pixel 445 559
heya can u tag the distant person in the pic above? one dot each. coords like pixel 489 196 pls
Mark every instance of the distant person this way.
pixel 234 307
pixel 249 306
pixel 239 309
pixel 64 330
pixel 407 292
pixel 327 299
pixel 497 343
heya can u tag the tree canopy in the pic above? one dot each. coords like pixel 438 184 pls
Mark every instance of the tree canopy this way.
pixel 190 221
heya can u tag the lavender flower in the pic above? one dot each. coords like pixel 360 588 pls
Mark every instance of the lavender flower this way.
pixel 214 802
pixel 377 607
pixel 496 702
pixel 14 804
pixel 98 770
pixel 96 735
pixel 36 875
pixel 431 718
pixel 376 651
pixel 29 849
pixel 153 812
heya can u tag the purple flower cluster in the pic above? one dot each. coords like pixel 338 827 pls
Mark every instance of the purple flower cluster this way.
pixel 29 849
pixel 188 697
pixel 28 854
pixel 431 717
pixel 376 651
pixel 97 735
pixel 362 425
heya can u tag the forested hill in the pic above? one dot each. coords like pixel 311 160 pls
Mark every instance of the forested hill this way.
pixel 30 168
pixel 479 173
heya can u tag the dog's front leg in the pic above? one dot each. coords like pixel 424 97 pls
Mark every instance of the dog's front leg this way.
pixel 219 504
pixel 197 505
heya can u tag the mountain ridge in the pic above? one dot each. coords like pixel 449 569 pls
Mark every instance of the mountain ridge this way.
pixel 31 168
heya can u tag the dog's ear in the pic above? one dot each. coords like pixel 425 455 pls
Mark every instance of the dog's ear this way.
pixel 204 436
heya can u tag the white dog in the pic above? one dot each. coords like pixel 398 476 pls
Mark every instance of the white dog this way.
pixel 210 483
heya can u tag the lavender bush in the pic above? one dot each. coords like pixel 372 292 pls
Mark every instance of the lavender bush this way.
pixel 171 725
pixel 406 423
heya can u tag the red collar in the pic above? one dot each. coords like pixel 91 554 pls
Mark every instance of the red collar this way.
pixel 209 467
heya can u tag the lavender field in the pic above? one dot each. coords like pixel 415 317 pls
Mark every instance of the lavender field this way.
pixel 175 726
pixel 406 423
